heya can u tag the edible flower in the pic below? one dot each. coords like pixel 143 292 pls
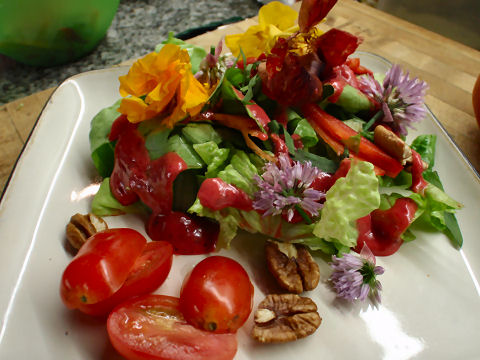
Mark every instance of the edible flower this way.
pixel 162 84
pixel 354 277
pixel 286 186
pixel 274 20
pixel 400 97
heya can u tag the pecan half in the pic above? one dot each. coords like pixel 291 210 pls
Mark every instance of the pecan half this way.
pixel 285 317
pixel 388 141
pixel 292 266
pixel 81 227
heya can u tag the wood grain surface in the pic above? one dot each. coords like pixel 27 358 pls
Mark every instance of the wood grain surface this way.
pixel 450 68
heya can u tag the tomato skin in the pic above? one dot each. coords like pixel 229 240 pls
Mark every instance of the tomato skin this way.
pixel 217 295
pixel 152 327
pixel 101 266
pixel 148 273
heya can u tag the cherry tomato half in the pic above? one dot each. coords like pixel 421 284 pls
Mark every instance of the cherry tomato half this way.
pixel 100 267
pixel 217 295
pixel 149 272
pixel 152 327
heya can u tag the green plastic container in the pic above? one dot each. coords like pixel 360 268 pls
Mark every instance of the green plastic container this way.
pixel 53 32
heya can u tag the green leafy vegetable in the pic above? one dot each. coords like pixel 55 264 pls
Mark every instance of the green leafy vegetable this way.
pixel 178 144
pixel 213 156
pixel 156 142
pixel 349 199
pixel 307 134
pixel 105 204
pixel 198 133
pixel 100 147
pixel 353 100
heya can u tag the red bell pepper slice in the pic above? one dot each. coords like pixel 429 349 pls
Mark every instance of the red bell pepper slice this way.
pixel 336 132
pixel 254 110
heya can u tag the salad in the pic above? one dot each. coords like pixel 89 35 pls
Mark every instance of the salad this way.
pixel 287 135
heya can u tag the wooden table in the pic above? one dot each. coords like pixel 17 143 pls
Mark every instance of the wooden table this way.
pixel 449 68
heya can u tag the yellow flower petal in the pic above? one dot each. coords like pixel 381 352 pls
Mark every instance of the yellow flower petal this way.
pixel 275 20
pixel 275 13
pixel 135 109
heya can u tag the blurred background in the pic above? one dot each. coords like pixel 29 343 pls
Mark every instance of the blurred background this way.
pixel 138 25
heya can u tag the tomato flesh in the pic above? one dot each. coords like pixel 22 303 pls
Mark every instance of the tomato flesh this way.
pixel 152 327
pixel 101 266
pixel 150 270
pixel 217 295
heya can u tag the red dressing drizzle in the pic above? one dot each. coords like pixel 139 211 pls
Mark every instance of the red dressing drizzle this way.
pixel 381 230
pixel 136 176
pixel 215 194
pixel 418 182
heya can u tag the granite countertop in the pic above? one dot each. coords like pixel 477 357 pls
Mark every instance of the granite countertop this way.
pixel 137 27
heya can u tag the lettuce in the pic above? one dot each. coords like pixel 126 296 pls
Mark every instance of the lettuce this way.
pixel 213 156
pixel 240 172
pixel 353 100
pixel 102 150
pixel 307 134
pixel 105 204
pixel 349 199
pixel 230 220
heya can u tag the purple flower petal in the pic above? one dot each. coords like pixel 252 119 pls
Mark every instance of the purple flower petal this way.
pixel 401 98
pixel 354 277
pixel 287 184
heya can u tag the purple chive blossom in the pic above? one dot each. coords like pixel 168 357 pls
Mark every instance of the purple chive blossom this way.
pixel 286 186
pixel 401 98
pixel 213 66
pixel 354 277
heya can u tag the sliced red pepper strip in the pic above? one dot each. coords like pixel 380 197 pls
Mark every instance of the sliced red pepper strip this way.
pixel 254 110
pixel 339 148
pixel 338 131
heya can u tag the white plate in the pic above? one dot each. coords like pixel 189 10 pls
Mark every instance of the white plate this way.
pixel 431 297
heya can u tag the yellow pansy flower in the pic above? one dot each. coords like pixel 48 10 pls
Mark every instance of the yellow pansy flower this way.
pixel 162 83
pixel 274 20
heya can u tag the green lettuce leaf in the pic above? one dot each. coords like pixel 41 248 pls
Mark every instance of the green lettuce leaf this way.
pixel 231 220
pixel 353 100
pixel 156 142
pixel 105 204
pixel 307 134
pixel 198 133
pixel 179 145
pixel 101 148
pixel 349 199
pixel 240 172
pixel 438 207
pixel 213 156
